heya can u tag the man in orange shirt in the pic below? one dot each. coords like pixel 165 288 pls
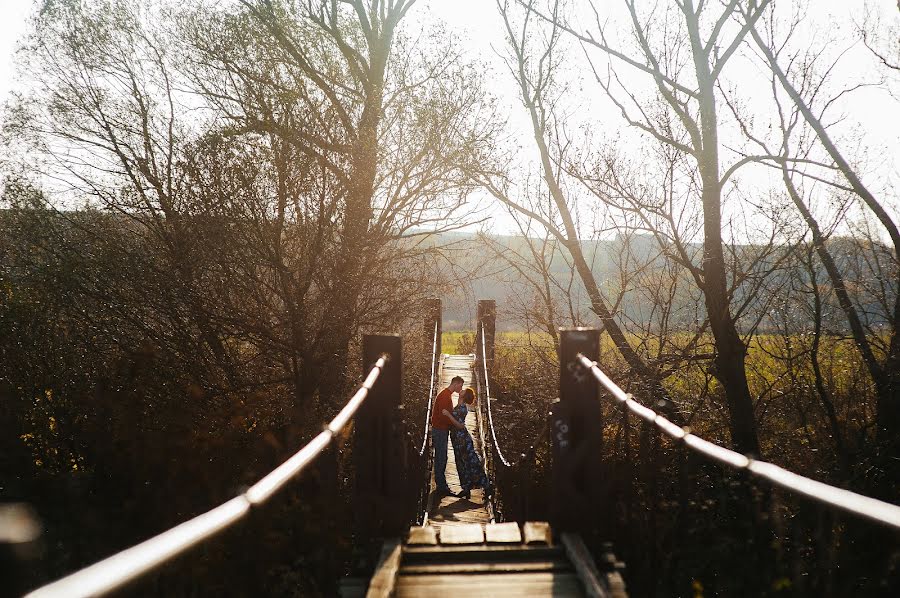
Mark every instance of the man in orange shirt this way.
pixel 440 432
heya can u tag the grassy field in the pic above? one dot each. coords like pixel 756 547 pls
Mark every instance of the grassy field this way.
pixel 776 364
pixel 461 342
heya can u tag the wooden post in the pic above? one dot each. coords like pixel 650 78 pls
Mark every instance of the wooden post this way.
pixel 433 315
pixel 629 470
pixel 486 323
pixel 379 446
pixel 577 436
pixel 386 394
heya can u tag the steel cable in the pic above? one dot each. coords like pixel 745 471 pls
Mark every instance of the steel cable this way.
pixel 531 448
pixel 864 506
pixel 487 394
pixel 117 570
pixel 430 391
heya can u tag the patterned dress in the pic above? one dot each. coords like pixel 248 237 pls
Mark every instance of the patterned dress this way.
pixel 468 463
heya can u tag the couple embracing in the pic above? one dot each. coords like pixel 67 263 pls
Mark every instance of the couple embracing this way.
pixel 449 423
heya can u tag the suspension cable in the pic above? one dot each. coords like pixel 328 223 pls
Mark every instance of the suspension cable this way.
pixel 845 500
pixel 430 391
pixel 487 394
pixel 117 570
pixel 479 420
pixel 523 457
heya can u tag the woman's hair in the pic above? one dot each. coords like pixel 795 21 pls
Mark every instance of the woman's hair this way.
pixel 468 395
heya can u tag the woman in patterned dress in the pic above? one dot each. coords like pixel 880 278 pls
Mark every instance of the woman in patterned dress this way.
pixel 468 462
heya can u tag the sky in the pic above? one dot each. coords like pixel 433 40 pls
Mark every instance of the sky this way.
pixel 870 113
pixel 13 23
pixel 479 23
pixel 877 112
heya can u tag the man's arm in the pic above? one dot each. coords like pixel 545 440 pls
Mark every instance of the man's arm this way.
pixel 453 420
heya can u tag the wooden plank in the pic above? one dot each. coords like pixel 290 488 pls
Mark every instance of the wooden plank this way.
pixel 616 584
pixel 478 568
pixel 613 580
pixel 449 510
pixel 537 532
pixel 467 533
pixel 584 565
pixel 503 533
pixel 536 591
pixel 382 584
pixel 487 580
pixel 520 584
pixel 424 536
pixel 483 551
pixel 498 592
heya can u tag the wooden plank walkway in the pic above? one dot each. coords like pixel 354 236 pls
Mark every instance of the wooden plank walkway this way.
pixel 499 559
pixel 449 511
pixel 505 567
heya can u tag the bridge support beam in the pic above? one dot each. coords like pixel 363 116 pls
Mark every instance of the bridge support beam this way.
pixel 434 315
pixel 486 324
pixel 380 453
pixel 577 436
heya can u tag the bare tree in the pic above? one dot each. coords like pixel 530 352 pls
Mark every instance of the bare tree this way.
pixel 684 61
pixel 557 214
pixel 885 372
pixel 289 157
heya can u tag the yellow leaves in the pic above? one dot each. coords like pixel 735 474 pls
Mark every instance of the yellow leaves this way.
pixel 52 424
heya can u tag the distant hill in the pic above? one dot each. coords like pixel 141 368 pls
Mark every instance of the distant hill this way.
pixel 481 272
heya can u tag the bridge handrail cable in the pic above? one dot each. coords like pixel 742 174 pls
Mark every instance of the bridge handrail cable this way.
pixel 845 500
pixel 487 394
pixel 430 391
pixel 120 568
pixel 479 422
pixel 523 457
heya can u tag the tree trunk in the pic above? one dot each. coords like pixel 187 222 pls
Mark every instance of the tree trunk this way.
pixel 731 352
pixel 355 242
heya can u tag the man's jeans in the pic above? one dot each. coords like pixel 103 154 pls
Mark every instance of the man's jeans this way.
pixel 439 439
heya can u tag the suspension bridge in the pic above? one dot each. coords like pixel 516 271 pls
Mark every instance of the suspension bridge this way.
pixel 482 545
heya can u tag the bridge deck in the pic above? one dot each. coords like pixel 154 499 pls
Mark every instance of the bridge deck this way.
pixel 504 560
pixel 460 550
pixel 449 511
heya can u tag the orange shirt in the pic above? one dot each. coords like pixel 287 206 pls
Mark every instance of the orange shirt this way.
pixel 444 400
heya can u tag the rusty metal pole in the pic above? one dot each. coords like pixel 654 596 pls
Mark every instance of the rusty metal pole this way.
pixel 576 436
